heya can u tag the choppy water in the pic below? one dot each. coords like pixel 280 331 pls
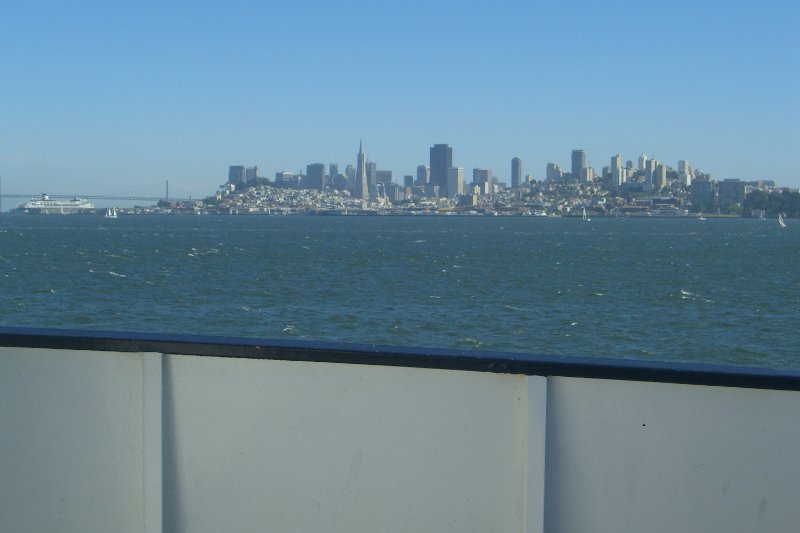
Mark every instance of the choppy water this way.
pixel 725 291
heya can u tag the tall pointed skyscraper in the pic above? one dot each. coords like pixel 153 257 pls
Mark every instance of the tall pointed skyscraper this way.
pixel 361 188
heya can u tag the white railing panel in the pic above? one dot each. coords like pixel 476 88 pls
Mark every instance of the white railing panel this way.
pixel 70 440
pixel 255 445
pixel 633 456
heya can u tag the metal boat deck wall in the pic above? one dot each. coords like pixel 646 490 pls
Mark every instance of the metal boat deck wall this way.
pixel 115 431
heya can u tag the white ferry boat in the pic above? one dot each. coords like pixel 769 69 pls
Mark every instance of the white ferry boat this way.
pixel 46 206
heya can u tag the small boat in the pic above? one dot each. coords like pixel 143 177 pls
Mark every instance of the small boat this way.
pixel 781 221
pixel 111 212
pixel 585 219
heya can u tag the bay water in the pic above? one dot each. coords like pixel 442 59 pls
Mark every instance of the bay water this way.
pixel 714 291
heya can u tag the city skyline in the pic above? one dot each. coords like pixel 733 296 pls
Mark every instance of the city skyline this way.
pixel 109 100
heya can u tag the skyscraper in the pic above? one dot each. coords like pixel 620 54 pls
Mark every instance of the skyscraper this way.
pixel 643 162
pixel 482 177
pixel 578 163
pixel 333 170
pixel 441 160
pixel 361 189
pixel 423 175
pixel 236 174
pixel 372 174
pixel 616 162
pixel 455 181
pixel 315 177
pixel 251 174
pixel 516 173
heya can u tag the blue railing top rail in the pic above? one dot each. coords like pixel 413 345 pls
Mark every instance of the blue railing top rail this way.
pixel 439 358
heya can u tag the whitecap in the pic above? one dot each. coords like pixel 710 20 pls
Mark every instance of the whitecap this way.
pixel 117 275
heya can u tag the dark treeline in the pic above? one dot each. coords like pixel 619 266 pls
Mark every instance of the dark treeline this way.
pixel 773 203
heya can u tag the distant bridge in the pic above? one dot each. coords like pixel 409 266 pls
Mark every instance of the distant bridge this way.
pixel 96 197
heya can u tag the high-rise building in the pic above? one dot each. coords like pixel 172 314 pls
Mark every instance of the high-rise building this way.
pixel 578 164
pixel 616 162
pixel 660 177
pixel 251 174
pixel 423 175
pixel 455 181
pixel 333 170
pixel 315 177
pixel 482 177
pixel 642 162
pixel 408 180
pixel 650 166
pixel 237 174
pixel 284 179
pixel 372 174
pixel 361 189
pixel 554 174
pixel 383 176
pixel 441 160
pixel 516 173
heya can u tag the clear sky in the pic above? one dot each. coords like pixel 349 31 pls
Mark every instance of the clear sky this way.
pixel 101 97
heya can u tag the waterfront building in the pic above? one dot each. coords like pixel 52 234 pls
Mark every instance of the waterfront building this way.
pixel 731 192
pixel 702 194
pixel 315 177
pixel 455 181
pixel 441 156
pixel 516 172
pixel 361 188
pixel 578 164
pixel 423 175
pixel 237 174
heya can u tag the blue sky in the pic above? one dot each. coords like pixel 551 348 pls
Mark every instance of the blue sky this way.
pixel 115 98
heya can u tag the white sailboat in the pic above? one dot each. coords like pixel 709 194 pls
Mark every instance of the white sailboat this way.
pixel 111 212
pixel 585 219
pixel 781 222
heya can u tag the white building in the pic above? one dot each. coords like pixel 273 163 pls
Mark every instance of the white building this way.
pixel 455 181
